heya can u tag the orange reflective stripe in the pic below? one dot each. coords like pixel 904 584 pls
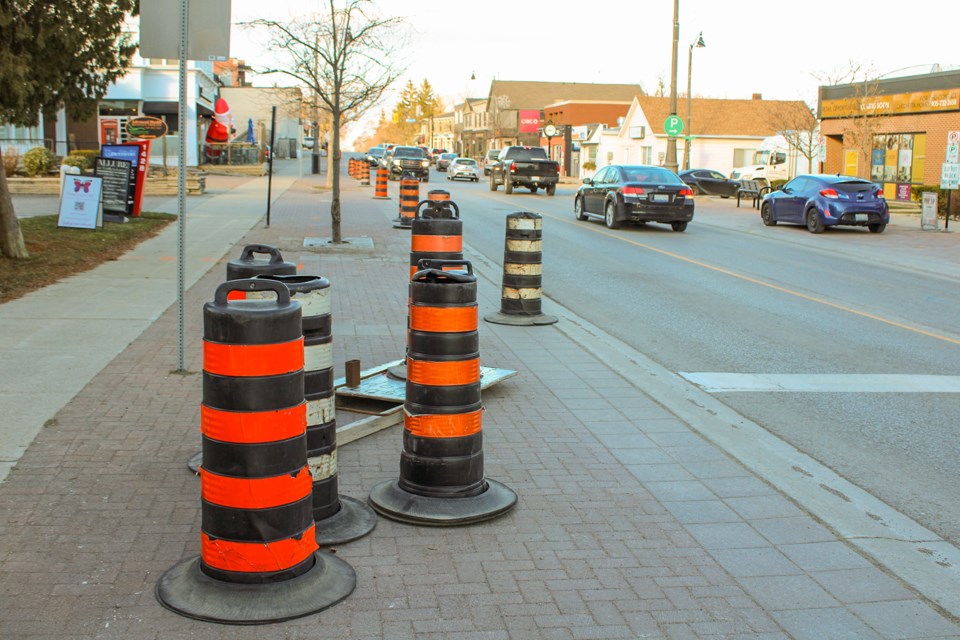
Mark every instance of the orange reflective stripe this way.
pixel 252 359
pixel 253 427
pixel 260 493
pixel 436 244
pixel 444 426
pixel 438 197
pixel 257 557
pixel 443 374
pixel 443 319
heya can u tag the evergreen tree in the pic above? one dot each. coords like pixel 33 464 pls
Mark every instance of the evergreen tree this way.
pixel 53 54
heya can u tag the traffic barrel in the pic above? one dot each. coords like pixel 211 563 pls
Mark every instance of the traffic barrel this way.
pixel 259 561
pixel 409 196
pixel 520 293
pixel 436 230
pixel 249 266
pixel 380 189
pixel 352 167
pixel 339 518
pixel 364 172
pixel 442 482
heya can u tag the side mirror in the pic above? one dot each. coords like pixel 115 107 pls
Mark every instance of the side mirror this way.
pixel 588 181
pixel 786 189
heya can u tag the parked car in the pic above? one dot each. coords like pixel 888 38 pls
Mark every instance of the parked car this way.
pixel 710 183
pixel 489 160
pixel 463 168
pixel 444 160
pixel 636 193
pixel 821 201
pixel 408 160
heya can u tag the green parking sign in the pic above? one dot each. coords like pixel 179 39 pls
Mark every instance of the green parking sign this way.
pixel 673 125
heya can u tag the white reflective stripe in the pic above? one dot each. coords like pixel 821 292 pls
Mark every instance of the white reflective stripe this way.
pixel 514 269
pixel 524 245
pixel 510 293
pixel 318 357
pixel 323 467
pixel 314 303
pixel 321 411
pixel 524 223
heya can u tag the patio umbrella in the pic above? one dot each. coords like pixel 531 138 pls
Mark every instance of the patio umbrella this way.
pixel 250 138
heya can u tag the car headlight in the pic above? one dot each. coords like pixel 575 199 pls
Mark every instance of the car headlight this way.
pixel 425 163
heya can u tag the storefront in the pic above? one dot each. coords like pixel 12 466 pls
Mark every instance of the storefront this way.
pixel 893 131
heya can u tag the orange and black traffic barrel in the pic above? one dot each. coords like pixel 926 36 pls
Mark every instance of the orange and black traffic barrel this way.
pixel 436 230
pixel 363 172
pixel 380 188
pixel 352 167
pixel 249 266
pixel 339 518
pixel 258 561
pixel 521 289
pixel 409 196
pixel 441 466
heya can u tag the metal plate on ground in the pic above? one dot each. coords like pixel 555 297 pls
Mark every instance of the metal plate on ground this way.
pixel 377 384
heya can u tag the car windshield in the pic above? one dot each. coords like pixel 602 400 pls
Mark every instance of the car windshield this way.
pixel 470 162
pixel 492 154
pixel 650 174
pixel 376 151
pixel 408 152
pixel 447 156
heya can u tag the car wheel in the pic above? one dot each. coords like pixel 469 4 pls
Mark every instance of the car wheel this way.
pixel 534 189
pixel 724 197
pixel 426 178
pixel 476 179
pixel 766 214
pixel 551 189
pixel 814 224
pixel 876 228
pixel 507 186
pixel 578 209
pixel 493 183
pixel 678 226
pixel 610 215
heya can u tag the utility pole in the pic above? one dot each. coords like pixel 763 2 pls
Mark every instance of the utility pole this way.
pixel 671 159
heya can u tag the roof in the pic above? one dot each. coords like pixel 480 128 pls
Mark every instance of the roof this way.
pixel 537 95
pixel 720 117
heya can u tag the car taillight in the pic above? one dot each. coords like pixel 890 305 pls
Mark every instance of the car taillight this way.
pixel 879 194
pixel 686 192
pixel 633 191
pixel 829 193
pixel 513 166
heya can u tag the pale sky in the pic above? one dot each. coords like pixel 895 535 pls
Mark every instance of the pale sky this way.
pixel 780 53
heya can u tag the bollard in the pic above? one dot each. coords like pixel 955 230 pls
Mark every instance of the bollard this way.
pixel 364 173
pixel 409 195
pixel 258 561
pixel 339 518
pixel 380 189
pixel 520 293
pixel 441 466
pixel 436 230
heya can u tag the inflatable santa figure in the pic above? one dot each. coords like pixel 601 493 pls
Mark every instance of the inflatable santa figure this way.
pixel 221 128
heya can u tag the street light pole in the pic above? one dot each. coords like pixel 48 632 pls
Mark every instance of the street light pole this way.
pixel 671 159
pixel 699 43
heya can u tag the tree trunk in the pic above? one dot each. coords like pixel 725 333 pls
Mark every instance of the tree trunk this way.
pixel 11 239
pixel 334 158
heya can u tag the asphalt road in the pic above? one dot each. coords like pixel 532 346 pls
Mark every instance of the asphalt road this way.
pixel 845 344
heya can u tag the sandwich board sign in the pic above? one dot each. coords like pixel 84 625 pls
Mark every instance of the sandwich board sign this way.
pixel 80 202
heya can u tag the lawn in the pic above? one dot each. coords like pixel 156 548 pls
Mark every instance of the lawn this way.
pixel 56 252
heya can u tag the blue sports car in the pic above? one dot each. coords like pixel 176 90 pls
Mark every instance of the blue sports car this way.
pixel 820 201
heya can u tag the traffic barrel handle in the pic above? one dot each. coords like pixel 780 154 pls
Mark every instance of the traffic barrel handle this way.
pixel 250 249
pixel 443 204
pixel 283 293
pixel 435 264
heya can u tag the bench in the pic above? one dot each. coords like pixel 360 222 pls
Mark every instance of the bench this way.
pixel 754 189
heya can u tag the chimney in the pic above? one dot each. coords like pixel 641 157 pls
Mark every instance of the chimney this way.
pixel 757 96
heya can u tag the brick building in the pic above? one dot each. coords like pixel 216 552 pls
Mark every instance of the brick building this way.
pixel 893 131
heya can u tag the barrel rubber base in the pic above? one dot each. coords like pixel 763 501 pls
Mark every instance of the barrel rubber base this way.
pixel 186 590
pixel 520 320
pixel 355 519
pixel 390 501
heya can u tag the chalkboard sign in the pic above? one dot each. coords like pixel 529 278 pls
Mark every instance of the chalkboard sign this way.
pixel 130 153
pixel 116 185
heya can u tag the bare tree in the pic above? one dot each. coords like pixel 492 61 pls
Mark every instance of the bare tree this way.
pixel 346 57
pixel 796 122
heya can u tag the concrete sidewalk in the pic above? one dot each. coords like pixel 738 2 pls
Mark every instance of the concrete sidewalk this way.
pixel 629 523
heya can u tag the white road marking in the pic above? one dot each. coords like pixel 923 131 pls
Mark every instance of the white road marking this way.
pixel 718 382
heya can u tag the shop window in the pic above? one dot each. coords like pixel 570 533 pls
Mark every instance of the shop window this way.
pixel 897 158
pixel 742 157
pixel 646 155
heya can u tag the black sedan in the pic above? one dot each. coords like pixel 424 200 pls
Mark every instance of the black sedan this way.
pixel 710 183
pixel 635 193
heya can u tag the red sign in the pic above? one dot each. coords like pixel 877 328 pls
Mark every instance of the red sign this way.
pixel 529 121
pixel 144 146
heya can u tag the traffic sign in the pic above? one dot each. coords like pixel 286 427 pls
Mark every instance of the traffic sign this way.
pixel 673 125
pixel 950 175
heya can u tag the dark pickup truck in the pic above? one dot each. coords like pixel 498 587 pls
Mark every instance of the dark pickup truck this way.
pixel 524 167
